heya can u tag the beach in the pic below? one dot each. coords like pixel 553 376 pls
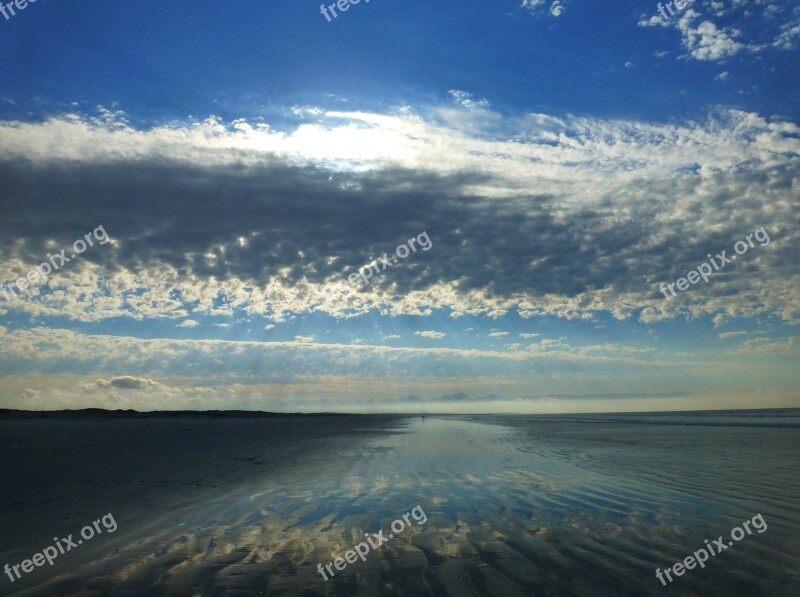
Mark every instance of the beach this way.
pixel 514 505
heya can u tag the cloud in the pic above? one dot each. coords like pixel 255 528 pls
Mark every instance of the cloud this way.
pixel 189 323
pixel 527 336
pixel 532 5
pixel 747 30
pixel 498 334
pixel 557 216
pixel 464 99
pixel 556 8
pixel 75 370
pixel 59 351
pixel 789 32
pixel 430 334
pixel 705 41
pixel 304 339
pixel 611 396
pixel 788 347
pixel 128 382
pixel 28 394
pixel 456 397
pixel 411 399
pixel 537 7
pixel 726 335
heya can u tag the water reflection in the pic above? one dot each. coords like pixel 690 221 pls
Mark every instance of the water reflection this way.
pixel 515 507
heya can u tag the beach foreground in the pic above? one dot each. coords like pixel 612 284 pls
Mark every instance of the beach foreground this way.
pixel 527 505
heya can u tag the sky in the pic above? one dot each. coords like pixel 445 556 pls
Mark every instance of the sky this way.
pixel 467 207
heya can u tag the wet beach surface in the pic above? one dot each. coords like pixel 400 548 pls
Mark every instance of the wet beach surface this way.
pixel 570 505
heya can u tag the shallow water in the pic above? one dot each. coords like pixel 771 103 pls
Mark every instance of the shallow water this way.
pixel 572 505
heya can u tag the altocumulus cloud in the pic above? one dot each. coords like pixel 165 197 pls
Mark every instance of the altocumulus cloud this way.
pixel 745 31
pixel 563 216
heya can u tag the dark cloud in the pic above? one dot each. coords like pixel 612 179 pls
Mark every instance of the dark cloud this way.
pixel 308 223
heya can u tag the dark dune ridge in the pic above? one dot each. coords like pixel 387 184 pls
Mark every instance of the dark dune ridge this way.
pixel 250 504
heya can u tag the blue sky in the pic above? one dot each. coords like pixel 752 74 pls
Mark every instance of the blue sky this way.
pixel 168 60
pixel 565 159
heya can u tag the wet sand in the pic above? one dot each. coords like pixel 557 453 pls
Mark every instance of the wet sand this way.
pixel 567 505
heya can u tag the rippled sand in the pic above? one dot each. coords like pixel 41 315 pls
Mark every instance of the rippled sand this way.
pixel 515 505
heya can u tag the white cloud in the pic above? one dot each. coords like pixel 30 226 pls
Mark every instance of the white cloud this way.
pixel 726 335
pixel 790 31
pixel 749 30
pixel 430 334
pixel 532 5
pixel 249 374
pixel 789 347
pixel 537 7
pixel 464 99
pixel 705 41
